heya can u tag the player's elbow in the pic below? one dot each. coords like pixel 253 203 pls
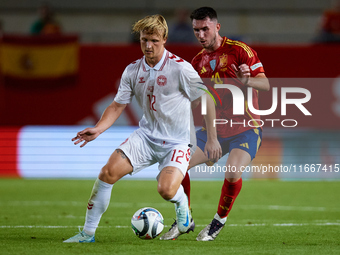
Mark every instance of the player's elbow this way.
pixel 266 86
pixel 262 82
pixel 195 103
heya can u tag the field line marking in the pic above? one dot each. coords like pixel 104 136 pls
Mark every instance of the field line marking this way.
pixel 228 225
pixel 161 205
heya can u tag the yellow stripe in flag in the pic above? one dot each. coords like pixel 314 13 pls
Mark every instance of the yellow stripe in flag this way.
pixel 44 61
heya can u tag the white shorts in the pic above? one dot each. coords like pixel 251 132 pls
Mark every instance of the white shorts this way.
pixel 143 151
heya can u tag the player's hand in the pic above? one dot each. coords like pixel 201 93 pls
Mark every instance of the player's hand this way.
pixel 213 150
pixel 242 73
pixel 85 136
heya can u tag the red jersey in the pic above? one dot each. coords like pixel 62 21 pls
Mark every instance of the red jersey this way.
pixel 217 67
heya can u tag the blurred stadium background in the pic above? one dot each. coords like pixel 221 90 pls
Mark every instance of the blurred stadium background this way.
pixel 51 85
pixel 106 21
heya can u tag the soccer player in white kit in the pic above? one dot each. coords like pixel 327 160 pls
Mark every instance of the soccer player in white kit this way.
pixel 164 86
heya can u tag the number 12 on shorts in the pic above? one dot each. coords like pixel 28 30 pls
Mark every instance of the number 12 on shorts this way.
pixel 179 155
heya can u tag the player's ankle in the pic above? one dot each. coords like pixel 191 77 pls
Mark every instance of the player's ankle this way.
pixel 223 220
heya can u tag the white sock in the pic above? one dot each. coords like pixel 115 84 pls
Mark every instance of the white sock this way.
pixel 97 205
pixel 180 197
pixel 222 220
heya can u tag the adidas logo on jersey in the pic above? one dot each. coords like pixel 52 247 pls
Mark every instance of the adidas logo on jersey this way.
pixel 203 70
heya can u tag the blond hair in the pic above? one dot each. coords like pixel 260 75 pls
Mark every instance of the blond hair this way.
pixel 155 24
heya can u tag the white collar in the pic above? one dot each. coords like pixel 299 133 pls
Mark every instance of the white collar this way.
pixel 158 65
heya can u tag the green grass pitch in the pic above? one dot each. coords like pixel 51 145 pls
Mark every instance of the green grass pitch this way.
pixel 269 217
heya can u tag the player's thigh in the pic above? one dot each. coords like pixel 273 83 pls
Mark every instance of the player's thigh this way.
pixel 116 167
pixel 243 148
pixel 174 155
pixel 248 141
pixel 198 158
pixel 169 180
pixel 237 160
pixel 139 150
pixel 173 165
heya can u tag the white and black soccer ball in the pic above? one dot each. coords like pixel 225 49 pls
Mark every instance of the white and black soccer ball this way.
pixel 147 223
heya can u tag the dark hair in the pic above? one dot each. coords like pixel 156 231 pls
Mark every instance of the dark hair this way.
pixel 202 13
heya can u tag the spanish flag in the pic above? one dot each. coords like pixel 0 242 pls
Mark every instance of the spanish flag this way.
pixel 38 60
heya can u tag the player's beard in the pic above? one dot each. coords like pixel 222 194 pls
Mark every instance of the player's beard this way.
pixel 211 44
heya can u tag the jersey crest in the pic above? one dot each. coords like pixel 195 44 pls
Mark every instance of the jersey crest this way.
pixel 161 80
pixel 223 62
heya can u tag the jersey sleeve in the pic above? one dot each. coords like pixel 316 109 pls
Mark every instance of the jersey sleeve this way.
pixel 191 82
pixel 249 56
pixel 125 91
pixel 195 61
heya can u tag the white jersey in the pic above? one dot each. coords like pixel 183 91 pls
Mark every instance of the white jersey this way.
pixel 165 93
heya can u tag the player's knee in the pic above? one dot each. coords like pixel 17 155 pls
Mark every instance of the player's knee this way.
pixel 166 192
pixel 107 174
pixel 233 179
pixel 233 175
pixel 233 164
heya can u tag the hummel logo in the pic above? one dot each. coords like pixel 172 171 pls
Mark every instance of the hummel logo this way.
pixel 244 145
pixel 141 80
pixel 89 206
pixel 203 70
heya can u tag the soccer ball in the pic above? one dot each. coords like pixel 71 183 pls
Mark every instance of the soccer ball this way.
pixel 147 223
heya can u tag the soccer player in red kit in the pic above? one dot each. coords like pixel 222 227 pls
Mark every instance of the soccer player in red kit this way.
pixel 225 61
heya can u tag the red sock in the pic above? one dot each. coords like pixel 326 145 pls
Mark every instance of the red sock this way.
pixel 229 192
pixel 186 186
